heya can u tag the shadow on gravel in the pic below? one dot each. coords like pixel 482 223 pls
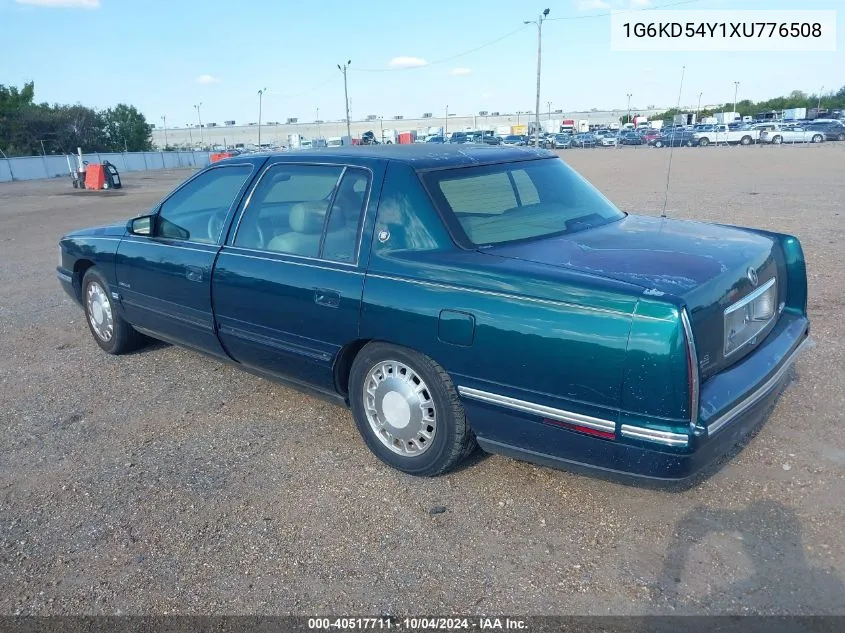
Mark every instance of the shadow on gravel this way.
pixel 781 580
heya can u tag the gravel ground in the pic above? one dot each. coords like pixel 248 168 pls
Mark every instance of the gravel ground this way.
pixel 165 482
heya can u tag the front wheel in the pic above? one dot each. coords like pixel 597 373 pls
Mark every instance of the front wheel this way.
pixel 688 143
pixel 818 138
pixel 745 140
pixel 110 331
pixel 777 140
pixel 841 137
pixel 658 143
pixel 704 142
pixel 408 410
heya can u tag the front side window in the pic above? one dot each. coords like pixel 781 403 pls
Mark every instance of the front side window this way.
pixel 197 211
pixel 306 210
pixel 494 204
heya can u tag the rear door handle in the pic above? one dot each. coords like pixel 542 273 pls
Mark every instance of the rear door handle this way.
pixel 327 297
pixel 193 273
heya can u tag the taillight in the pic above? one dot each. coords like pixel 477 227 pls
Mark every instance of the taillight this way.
pixel 692 369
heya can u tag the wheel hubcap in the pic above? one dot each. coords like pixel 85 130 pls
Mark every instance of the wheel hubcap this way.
pixel 99 311
pixel 399 408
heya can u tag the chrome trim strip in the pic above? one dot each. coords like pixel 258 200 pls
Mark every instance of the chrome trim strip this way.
pixel 538 409
pixel 756 395
pixel 349 269
pixel 741 304
pixel 160 241
pixel 490 293
pixel 693 359
pixel 652 435
pixel 750 297
pixel 64 277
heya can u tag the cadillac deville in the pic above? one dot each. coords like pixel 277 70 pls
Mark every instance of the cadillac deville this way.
pixel 459 295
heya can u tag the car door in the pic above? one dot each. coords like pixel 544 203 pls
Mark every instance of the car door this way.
pixel 288 282
pixel 164 277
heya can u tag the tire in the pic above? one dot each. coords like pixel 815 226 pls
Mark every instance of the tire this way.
pixel 817 138
pixel 436 410
pixel 777 140
pixel 841 137
pixel 703 142
pixel 688 143
pixel 658 143
pixel 745 140
pixel 120 337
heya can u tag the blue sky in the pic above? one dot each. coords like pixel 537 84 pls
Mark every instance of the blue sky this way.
pixel 165 56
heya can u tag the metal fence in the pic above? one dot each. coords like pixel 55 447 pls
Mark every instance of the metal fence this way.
pixel 35 167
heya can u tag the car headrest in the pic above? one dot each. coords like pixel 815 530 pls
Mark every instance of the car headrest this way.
pixel 307 217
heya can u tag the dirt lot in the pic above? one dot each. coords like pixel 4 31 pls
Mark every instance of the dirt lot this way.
pixel 166 482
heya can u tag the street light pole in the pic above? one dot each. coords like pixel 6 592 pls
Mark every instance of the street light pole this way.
pixel 346 96
pixel 549 103
pixel 190 135
pixel 446 124
pixel 539 23
pixel 318 122
pixel 164 121
pixel 260 97
pixel 819 105
pixel 736 89
pixel 698 111
pixel 629 108
pixel 199 118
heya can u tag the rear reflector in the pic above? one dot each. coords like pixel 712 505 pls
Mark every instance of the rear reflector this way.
pixel 606 435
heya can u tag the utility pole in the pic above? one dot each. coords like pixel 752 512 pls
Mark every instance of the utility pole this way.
pixel 260 97
pixel 819 105
pixel 346 96
pixel 318 122
pixel 199 118
pixel 446 124
pixel 549 103
pixel 190 134
pixel 539 23
pixel 629 108
pixel 736 89
pixel 164 121
pixel 698 111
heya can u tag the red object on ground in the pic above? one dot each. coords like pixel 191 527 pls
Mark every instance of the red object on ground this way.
pixel 95 176
pixel 220 156
pixel 406 138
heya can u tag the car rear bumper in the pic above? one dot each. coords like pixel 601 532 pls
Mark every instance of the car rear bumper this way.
pixel 747 392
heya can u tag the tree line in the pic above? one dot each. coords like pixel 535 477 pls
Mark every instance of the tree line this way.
pixel 28 128
pixel 746 107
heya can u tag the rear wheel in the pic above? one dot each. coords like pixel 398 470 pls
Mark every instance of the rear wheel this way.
pixel 817 138
pixel 703 142
pixel 688 143
pixel 658 143
pixel 408 410
pixel 777 140
pixel 110 331
pixel 841 137
pixel 745 140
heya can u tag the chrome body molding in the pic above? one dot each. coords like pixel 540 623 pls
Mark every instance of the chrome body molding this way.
pixel 693 360
pixel 63 276
pixel 758 394
pixel 662 437
pixel 538 409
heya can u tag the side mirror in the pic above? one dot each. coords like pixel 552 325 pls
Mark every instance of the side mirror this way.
pixel 141 226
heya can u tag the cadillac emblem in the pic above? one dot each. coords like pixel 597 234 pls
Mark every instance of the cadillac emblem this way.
pixel 752 276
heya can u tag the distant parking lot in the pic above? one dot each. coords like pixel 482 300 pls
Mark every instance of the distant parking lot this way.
pixel 163 481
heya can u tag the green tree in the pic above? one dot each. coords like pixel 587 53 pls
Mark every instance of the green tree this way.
pixel 126 128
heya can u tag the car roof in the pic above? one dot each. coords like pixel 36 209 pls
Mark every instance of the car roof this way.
pixel 419 155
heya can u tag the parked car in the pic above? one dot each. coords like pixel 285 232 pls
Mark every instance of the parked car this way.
pixel 776 133
pixel 460 137
pixel 436 139
pixel 832 130
pixel 629 137
pixel 606 138
pixel 559 141
pixel 513 139
pixel 492 140
pixel 473 294
pixel 723 134
pixel 674 138
pixel 649 135
pixel 585 139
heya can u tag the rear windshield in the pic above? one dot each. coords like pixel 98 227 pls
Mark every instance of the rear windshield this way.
pixel 495 204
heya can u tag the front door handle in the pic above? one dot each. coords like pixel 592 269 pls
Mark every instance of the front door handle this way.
pixel 326 297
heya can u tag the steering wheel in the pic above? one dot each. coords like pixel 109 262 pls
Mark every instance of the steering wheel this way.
pixel 215 225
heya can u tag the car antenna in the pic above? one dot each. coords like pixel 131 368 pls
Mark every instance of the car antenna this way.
pixel 672 149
